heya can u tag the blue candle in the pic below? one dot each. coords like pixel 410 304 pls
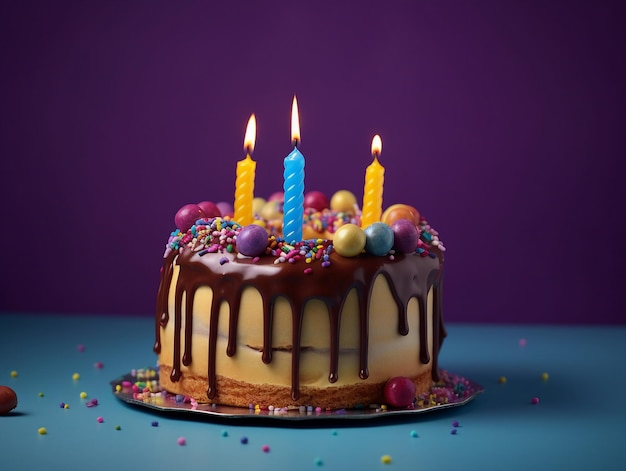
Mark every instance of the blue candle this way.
pixel 293 208
pixel 294 196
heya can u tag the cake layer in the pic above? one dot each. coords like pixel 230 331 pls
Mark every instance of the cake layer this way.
pixel 269 327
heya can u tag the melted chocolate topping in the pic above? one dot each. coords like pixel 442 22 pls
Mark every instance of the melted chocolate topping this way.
pixel 409 275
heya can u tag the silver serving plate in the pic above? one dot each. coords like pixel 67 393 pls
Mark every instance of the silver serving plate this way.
pixel 451 391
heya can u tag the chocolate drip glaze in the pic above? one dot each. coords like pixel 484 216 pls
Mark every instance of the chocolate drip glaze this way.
pixel 408 275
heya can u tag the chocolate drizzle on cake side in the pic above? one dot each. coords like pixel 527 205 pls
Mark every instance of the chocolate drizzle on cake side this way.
pixel 409 276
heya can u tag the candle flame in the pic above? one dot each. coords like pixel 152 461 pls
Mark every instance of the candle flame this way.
pixel 377 146
pixel 250 138
pixel 295 123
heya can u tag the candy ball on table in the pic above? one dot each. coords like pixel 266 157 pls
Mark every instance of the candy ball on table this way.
pixel 210 209
pixel 378 239
pixel 349 240
pixel 343 201
pixel 187 216
pixel 316 200
pixel 400 391
pixel 252 240
pixel 405 235
pixel 8 400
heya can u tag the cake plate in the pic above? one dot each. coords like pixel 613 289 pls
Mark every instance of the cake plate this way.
pixel 141 388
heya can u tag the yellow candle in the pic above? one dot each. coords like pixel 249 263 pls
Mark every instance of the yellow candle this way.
pixel 244 183
pixel 373 190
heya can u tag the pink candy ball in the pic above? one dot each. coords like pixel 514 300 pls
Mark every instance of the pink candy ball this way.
pixel 316 200
pixel 210 209
pixel 187 216
pixel 277 196
pixel 226 209
pixel 400 391
pixel 252 240
pixel 405 235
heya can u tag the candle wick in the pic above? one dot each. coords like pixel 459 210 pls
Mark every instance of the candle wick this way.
pixel 295 142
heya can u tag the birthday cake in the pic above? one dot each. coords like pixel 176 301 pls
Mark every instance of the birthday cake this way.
pixel 345 317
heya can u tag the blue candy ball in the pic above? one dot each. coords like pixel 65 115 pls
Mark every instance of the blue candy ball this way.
pixel 252 240
pixel 378 239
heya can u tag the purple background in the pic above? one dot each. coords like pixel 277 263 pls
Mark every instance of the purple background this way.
pixel 502 122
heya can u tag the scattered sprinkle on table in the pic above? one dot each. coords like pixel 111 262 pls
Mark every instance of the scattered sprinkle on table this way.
pixel 83 395
pixel 100 420
pixel 522 342
pixel 455 423
pixel 319 462
pixel 545 376
pixel 155 423
pixel 75 376
pixel 453 431
pixel 265 448
pixel 224 433
pixel 42 431
pixel 181 441
pixel 385 459
pixel 80 347
pixel 244 440
pixel 13 374
pixel 502 379
pixel 118 427
pixel 534 400
pixel 413 434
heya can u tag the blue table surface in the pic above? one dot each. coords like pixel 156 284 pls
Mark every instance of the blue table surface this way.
pixel 578 424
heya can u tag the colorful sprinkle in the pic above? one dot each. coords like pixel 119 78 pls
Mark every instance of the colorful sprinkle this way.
pixel 522 342
pixel 100 420
pixel 40 394
pixel 42 431
pixel 98 365
pixel 265 448
pixel 224 433
pixel 534 400
pixel 455 423
pixel 13 374
pixel 92 402
pixel 413 434
pixel 75 376
pixel 83 395
pixel 453 431
pixel 118 427
pixel 385 459
pixel 181 441
pixel 154 423
pixel 545 376
pixel 502 379
pixel 80 348
pixel 318 462
pixel 244 440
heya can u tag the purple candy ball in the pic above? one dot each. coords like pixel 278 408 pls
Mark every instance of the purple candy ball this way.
pixel 405 235
pixel 252 241
pixel 187 216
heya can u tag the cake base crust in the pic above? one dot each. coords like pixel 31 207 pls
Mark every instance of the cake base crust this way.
pixel 243 394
